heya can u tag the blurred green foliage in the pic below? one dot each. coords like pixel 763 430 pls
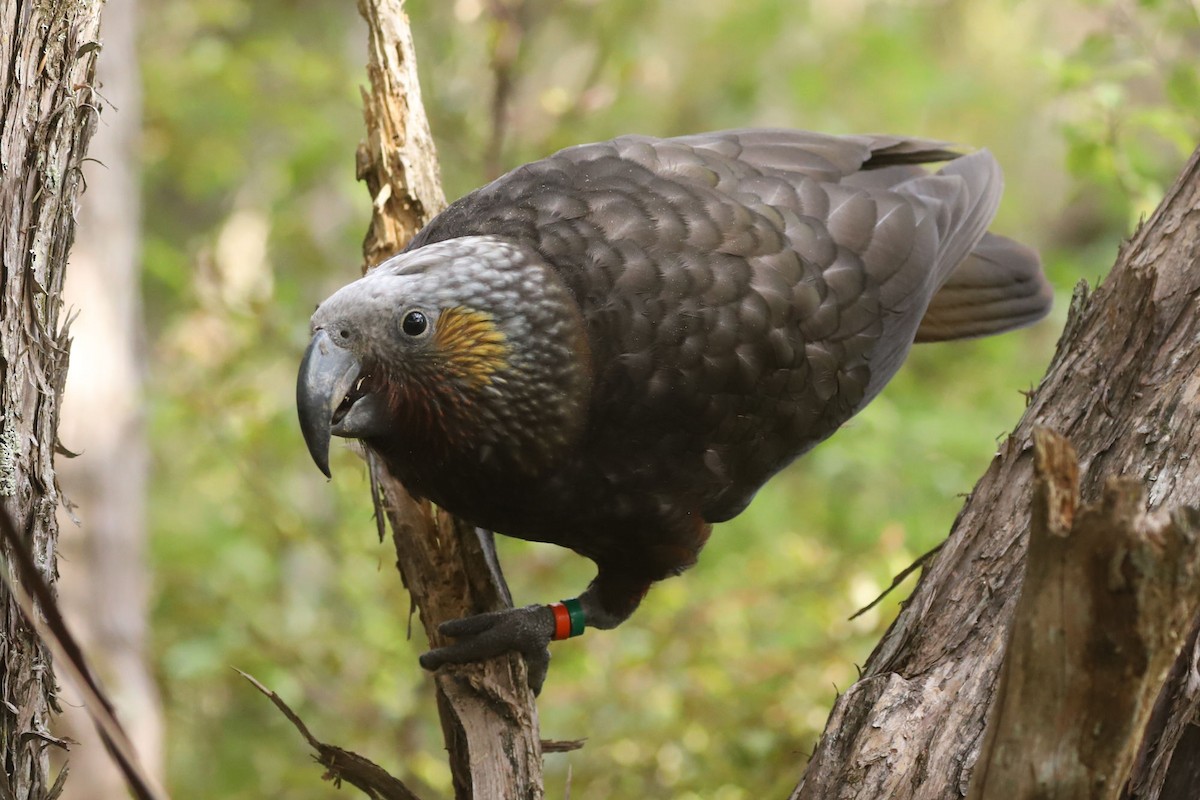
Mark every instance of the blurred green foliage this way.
pixel 719 685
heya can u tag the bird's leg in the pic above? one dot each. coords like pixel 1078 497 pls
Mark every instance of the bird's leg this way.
pixel 612 596
pixel 606 603
pixel 487 544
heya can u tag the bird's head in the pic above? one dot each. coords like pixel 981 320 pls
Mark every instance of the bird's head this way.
pixel 471 346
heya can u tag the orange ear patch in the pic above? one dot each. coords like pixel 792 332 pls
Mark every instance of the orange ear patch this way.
pixel 473 347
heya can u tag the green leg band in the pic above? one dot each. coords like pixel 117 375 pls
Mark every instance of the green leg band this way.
pixel 578 619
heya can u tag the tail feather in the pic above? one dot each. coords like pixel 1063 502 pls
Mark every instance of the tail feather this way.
pixel 998 287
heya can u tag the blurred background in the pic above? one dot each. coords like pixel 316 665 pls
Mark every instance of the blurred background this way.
pixel 225 207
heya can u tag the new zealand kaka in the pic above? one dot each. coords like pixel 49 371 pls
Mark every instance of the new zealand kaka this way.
pixel 613 348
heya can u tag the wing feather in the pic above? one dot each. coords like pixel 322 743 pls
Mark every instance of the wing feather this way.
pixel 758 282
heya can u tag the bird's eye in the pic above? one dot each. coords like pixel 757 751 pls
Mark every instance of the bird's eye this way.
pixel 414 323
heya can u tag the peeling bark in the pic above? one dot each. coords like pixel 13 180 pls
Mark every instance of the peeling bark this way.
pixel 47 58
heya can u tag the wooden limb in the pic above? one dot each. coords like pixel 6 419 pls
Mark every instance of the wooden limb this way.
pixel 1124 387
pixel 489 719
pixel 341 765
pixel 397 159
pixel 488 714
pixel 1108 598
pixel 33 595
pixel 898 579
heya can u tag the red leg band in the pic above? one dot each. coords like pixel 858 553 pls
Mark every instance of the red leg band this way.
pixel 562 621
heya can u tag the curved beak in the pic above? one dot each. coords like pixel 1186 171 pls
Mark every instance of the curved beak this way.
pixel 327 375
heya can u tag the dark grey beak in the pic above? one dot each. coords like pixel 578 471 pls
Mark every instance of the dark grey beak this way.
pixel 327 374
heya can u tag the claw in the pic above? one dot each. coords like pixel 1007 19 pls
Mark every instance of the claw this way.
pixel 525 630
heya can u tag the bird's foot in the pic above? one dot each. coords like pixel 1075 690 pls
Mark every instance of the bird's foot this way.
pixel 527 631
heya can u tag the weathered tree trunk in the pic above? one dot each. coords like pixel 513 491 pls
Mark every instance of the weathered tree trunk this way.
pixel 104 584
pixel 488 716
pixel 1123 389
pixel 47 58
pixel 1108 598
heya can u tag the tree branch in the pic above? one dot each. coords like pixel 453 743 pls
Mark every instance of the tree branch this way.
pixel 488 715
pixel 1123 388
pixel 341 764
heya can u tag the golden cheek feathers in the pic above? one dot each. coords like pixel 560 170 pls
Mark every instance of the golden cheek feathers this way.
pixel 473 347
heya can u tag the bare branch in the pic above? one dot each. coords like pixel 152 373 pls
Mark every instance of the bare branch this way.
pixel 32 594
pixel 489 719
pixel 340 764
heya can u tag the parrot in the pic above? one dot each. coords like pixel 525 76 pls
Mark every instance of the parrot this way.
pixel 613 348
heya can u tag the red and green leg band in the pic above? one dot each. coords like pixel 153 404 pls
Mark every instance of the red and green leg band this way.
pixel 569 619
